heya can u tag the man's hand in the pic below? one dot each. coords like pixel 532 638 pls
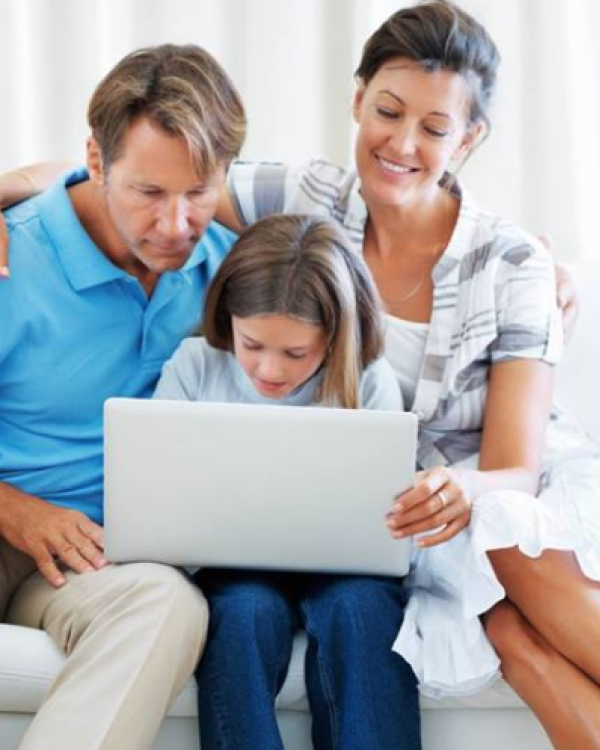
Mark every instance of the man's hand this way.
pixel 566 296
pixel 50 534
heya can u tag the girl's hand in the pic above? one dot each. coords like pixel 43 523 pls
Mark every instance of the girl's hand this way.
pixel 439 500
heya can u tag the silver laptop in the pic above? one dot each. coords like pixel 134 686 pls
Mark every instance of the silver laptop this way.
pixel 248 486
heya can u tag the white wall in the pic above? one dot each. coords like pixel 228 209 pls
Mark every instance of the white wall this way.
pixel 293 62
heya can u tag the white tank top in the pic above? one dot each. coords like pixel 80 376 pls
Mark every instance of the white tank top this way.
pixel 405 343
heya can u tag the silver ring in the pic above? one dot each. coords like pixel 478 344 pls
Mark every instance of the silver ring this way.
pixel 443 499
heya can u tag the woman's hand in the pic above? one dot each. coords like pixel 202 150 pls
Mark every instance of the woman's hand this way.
pixel 439 501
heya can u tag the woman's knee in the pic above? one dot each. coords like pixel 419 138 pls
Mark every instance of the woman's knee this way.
pixel 523 652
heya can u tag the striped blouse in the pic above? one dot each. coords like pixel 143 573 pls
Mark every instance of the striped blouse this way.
pixel 494 296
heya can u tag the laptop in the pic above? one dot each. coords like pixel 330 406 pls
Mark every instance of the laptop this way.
pixel 256 486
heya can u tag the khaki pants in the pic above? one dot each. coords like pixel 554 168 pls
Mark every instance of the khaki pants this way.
pixel 133 635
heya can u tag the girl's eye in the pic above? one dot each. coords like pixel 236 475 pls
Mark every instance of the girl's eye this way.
pixel 296 355
pixel 252 347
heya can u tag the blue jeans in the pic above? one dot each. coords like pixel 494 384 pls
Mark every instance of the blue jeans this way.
pixel 362 695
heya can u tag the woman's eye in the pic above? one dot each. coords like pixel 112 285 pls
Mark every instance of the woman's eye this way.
pixel 436 132
pixel 296 355
pixel 388 114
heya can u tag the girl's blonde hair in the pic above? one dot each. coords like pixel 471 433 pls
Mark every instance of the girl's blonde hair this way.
pixel 302 267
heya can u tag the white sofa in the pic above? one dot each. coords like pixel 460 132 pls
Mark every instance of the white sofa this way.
pixel 495 719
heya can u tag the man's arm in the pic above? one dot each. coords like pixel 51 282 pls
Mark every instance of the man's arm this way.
pixel 49 534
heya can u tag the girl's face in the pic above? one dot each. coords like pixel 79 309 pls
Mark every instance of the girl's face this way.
pixel 278 353
pixel 412 124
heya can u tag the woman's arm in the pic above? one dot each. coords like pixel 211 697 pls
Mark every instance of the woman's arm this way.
pixel 17 186
pixel 515 419
pixel 25 182
pixel 226 213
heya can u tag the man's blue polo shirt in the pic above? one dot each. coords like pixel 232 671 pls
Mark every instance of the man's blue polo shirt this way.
pixel 74 330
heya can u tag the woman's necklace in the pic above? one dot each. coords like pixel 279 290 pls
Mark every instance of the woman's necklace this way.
pixel 417 288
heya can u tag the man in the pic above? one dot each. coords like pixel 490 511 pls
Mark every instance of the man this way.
pixel 107 277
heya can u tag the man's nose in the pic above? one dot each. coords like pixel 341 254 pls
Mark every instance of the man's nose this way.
pixel 173 219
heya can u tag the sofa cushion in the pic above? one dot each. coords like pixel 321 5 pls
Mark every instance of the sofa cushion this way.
pixel 29 662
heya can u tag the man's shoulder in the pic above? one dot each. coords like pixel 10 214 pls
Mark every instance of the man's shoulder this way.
pixel 21 217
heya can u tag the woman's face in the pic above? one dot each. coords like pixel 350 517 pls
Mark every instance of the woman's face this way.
pixel 412 124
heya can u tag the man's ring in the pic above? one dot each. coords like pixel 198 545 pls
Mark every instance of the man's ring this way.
pixel 443 499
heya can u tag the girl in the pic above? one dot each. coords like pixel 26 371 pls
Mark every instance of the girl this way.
pixel 291 317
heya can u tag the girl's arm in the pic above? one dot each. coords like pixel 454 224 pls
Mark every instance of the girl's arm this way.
pixel 515 419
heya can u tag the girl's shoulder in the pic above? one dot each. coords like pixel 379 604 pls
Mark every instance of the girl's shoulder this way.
pixel 379 388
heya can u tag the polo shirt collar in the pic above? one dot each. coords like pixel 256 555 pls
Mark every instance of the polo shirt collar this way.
pixel 84 264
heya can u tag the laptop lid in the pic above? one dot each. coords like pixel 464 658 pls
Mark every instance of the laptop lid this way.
pixel 254 486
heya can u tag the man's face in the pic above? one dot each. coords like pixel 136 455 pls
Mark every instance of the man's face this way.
pixel 158 204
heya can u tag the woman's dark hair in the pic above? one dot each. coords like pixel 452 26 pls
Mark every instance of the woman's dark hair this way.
pixel 437 35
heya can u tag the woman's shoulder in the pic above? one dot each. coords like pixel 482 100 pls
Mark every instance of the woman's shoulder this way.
pixel 484 237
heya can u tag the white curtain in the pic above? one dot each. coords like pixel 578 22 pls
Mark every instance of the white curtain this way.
pixel 293 61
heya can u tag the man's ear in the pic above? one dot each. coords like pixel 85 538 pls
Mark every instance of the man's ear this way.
pixel 95 164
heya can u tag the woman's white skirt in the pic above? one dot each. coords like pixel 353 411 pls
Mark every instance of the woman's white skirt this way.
pixel 452 584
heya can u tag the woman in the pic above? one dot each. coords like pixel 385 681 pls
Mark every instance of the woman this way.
pixel 472 334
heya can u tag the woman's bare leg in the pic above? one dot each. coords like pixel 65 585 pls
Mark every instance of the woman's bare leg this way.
pixel 564 699
pixel 559 602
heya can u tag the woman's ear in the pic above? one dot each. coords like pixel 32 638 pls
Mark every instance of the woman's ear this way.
pixel 470 140
pixel 95 163
pixel 357 102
